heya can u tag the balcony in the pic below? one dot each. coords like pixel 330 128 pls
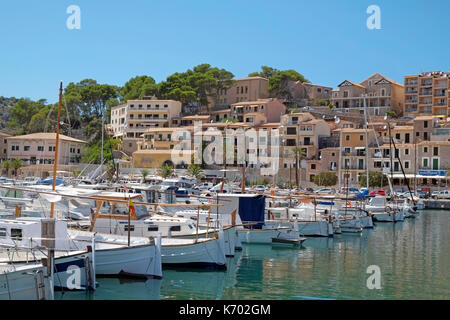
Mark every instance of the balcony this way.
pixel 414 109
pixel 411 91
pixel 426 93
pixel 411 82
pixel 426 83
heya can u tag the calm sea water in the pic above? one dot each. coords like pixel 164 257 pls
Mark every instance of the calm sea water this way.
pixel 414 258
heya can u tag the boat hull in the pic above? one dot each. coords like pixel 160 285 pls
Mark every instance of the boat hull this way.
pixel 135 261
pixel 266 236
pixel 23 283
pixel 205 253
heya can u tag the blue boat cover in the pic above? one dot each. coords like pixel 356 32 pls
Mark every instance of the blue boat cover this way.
pixel 251 209
pixel 50 182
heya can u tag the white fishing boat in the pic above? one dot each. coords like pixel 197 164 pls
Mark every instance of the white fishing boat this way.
pixel 176 251
pixel 114 257
pixel 26 240
pixel 25 282
pixel 194 253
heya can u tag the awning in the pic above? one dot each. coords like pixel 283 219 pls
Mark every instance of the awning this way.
pixel 418 176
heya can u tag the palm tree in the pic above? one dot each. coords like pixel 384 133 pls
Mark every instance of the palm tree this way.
pixel 299 154
pixel 196 171
pixel 166 171
pixel 144 173
pixel 6 165
pixel 16 164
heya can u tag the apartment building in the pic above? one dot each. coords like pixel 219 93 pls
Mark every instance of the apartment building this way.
pixel 3 146
pixel 129 121
pixel 382 95
pixel 39 148
pixel 242 89
pixel 272 109
pixel 303 131
pixel 353 148
pixel 427 93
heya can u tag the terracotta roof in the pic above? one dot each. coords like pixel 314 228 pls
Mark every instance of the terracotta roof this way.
pixel 251 78
pixel 383 77
pixel 257 102
pixel 45 136
pixel 202 117
pixel 353 83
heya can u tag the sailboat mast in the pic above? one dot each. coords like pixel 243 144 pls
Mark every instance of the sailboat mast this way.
pixel 366 126
pixel 55 164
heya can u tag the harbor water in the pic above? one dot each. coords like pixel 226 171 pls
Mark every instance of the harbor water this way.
pixel 413 257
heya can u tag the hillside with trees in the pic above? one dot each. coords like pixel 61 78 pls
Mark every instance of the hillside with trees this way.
pixel 6 105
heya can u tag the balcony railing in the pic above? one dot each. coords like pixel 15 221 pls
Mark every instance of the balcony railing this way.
pixel 411 109
pixel 426 93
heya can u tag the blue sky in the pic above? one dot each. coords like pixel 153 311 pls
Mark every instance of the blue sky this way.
pixel 325 40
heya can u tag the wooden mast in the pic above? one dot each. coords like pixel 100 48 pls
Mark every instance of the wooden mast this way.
pixel 55 164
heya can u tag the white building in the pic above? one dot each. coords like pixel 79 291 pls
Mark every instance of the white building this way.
pixel 129 121
pixel 39 148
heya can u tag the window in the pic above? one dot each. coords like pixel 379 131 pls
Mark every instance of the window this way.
pixel 406 152
pixel 40 148
pixel 26 148
pixel 406 137
pixel 311 178
pixel 153 228
pixel 425 162
pixel 175 228
pixel 52 148
pixel 291 130
pixel 313 166
pixel 397 136
pixel 435 151
pixel 406 164
pixel 347 138
pixel 2 232
pixel 425 124
pixel 425 149
pixel 361 138
pixel 131 228
pixel 16 234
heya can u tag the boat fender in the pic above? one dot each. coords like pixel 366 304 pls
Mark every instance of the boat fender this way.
pixel 388 209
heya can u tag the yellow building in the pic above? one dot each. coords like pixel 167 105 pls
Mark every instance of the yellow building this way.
pixel 427 94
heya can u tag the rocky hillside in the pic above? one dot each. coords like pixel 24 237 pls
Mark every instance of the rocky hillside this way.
pixel 5 107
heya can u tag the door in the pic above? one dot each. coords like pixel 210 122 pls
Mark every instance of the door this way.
pixel 435 164
pixel 48 233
